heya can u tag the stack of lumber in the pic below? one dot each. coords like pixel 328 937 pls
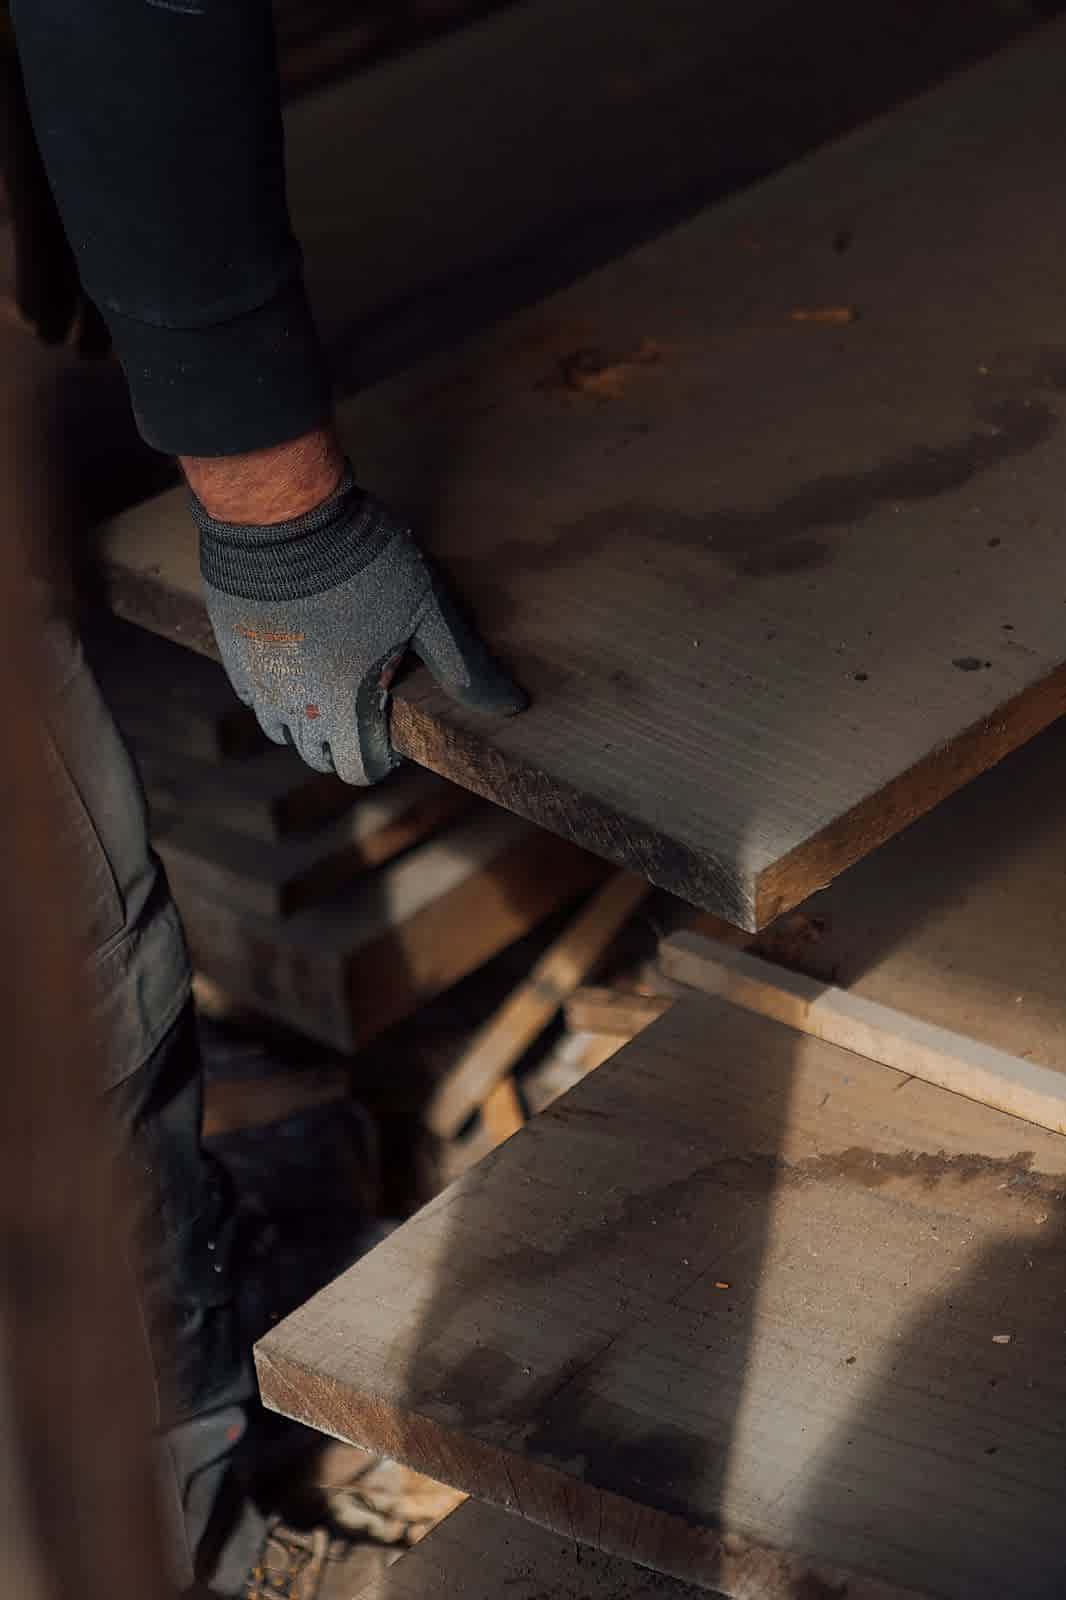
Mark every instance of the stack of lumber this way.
pixel 336 911
pixel 771 1302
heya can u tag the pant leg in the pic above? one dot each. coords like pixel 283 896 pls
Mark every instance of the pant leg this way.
pixel 183 1224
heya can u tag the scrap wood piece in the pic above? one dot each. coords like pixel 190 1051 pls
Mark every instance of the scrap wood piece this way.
pixel 936 1055
pixel 505 1037
pixel 501 1111
pixel 596 1009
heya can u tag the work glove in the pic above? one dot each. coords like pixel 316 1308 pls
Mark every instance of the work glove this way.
pixel 314 616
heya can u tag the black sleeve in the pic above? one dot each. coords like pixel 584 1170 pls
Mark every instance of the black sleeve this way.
pixel 160 126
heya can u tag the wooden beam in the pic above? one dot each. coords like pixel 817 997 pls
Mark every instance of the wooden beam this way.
pixel 776 588
pixel 921 1049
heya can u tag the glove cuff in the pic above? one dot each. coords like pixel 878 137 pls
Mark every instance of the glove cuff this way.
pixel 281 561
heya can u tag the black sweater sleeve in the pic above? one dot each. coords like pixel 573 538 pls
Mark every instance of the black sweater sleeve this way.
pixel 160 126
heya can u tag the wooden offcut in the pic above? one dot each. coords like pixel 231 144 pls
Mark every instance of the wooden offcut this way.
pixel 776 589
pixel 504 1039
pixel 742 1306
pixel 953 1061
pixel 596 1009
pixel 478 1553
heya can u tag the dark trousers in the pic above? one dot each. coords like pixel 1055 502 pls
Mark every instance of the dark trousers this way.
pixel 183 1228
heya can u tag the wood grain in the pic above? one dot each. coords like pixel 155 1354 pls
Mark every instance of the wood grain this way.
pixel 731 1308
pixel 776 588
pixel 966 1066
pixel 478 1553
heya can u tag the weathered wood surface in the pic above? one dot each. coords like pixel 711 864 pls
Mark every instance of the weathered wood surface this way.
pixel 777 587
pixel 742 1306
pixel 966 1066
pixel 478 1553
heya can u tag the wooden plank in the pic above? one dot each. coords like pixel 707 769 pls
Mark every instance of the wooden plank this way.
pixel 936 1055
pixel 269 796
pixel 505 1038
pixel 777 588
pixel 347 968
pixel 276 880
pixel 961 921
pixel 478 1553
pixel 742 1306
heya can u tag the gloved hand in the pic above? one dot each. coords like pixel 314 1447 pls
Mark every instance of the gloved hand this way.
pixel 313 617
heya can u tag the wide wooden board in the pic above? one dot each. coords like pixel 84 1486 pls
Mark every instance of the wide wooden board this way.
pixel 742 1306
pixel 478 1553
pixel 776 586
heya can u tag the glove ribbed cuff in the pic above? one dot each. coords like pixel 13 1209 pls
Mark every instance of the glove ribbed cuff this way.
pixel 281 561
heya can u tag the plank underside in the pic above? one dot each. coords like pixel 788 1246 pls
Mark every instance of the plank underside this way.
pixel 742 1306
pixel 479 1553
pixel 776 587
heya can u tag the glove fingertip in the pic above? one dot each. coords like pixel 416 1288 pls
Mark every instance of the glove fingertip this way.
pixel 499 697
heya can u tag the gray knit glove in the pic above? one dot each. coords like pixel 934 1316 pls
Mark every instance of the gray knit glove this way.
pixel 314 616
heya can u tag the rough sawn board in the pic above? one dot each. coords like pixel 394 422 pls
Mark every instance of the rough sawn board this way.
pixel 743 1307
pixel 777 586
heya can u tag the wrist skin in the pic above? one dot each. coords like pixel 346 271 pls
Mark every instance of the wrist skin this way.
pixel 272 485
